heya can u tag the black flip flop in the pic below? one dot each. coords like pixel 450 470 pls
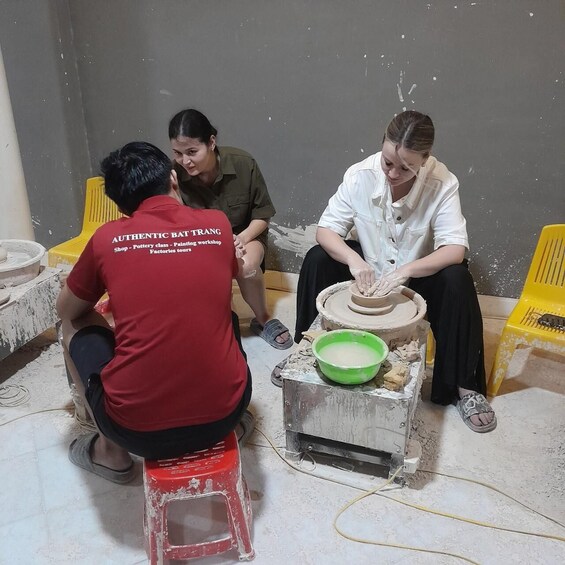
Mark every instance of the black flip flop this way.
pixel 270 331
pixel 276 377
pixel 79 455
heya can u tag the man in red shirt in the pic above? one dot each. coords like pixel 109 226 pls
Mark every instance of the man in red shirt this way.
pixel 172 377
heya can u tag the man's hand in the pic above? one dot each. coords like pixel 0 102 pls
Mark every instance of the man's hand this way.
pixel 63 276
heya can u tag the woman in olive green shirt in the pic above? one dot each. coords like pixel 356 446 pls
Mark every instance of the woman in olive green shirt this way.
pixel 229 179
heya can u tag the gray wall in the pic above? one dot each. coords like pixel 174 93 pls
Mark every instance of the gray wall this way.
pixel 308 87
pixel 40 62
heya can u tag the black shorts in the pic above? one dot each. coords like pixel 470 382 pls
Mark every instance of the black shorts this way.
pixel 91 349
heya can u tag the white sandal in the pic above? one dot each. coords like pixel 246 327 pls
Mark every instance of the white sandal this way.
pixel 472 404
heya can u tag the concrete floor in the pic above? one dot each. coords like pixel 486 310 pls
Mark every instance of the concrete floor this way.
pixel 54 513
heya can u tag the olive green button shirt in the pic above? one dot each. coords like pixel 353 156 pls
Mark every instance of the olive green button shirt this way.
pixel 239 190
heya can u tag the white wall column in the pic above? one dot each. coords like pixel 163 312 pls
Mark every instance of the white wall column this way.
pixel 15 216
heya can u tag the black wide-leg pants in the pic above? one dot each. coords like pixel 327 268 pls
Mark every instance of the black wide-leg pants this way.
pixel 453 313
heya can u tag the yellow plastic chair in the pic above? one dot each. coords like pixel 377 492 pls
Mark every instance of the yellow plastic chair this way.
pixel 543 293
pixel 430 349
pixel 98 209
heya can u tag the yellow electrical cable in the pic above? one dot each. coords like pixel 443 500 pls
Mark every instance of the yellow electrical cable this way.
pixel 378 493
pixel 347 536
pixel 13 395
pixel 385 544
pixel 422 508
pixel 477 522
pixel 495 490
pixel 85 424
pixel 32 413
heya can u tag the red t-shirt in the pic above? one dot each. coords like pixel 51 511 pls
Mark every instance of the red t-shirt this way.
pixel 168 270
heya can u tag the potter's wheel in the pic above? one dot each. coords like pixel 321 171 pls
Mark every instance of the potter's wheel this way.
pixel 19 261
pixel 13 259
pixel 400 310
pixel 398 325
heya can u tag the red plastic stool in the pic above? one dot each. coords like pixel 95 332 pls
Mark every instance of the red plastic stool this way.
pixel 216 470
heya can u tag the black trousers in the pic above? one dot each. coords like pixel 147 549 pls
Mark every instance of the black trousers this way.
pixel 453 313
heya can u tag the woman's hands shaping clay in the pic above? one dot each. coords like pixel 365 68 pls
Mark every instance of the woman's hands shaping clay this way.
pixel 367 282
pixel 389 282
pixel 363 274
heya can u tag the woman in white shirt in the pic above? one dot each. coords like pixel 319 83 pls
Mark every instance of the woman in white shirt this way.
pixel 404 206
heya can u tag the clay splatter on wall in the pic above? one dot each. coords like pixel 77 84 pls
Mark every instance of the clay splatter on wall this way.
pixel 299 239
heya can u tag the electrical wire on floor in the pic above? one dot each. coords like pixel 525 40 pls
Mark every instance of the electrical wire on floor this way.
pixel 82 416
pixel 13 395
pixel 470 521
pixel 85 423
pixel 377 490
pixel 387 544
pixel 62 408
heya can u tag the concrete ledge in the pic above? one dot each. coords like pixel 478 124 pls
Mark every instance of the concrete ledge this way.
pixel 30 311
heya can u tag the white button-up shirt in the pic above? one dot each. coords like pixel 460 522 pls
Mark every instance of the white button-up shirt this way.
pixel 393 234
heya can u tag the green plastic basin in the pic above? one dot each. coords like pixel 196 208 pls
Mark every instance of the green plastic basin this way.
pixel 349 357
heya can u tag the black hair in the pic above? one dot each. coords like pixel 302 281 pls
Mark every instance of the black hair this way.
pixel 134 173
pixel 191 123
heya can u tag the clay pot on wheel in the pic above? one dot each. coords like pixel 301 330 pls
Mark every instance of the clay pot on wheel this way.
pixel 372 305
